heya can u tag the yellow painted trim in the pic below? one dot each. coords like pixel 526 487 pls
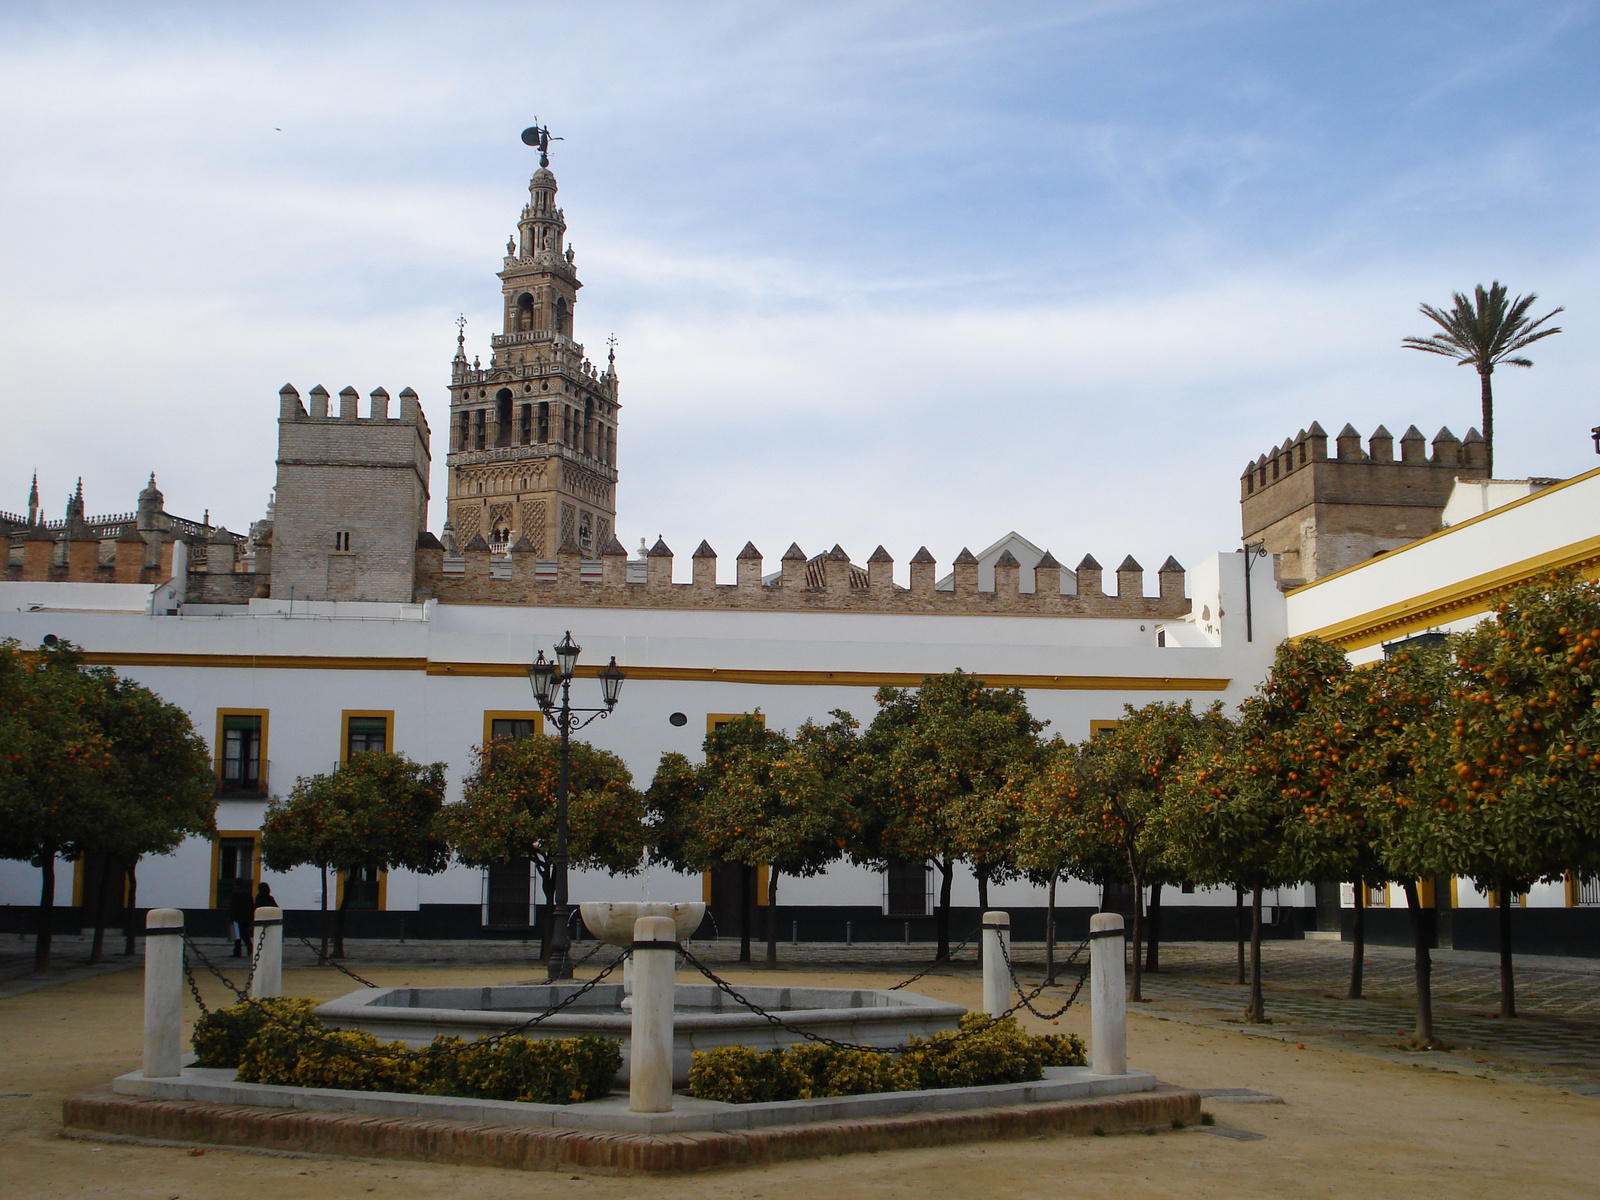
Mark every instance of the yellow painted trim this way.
pixel 344 728
pixel 705 886
pixel 763 877
pixel 77 882
pixel 1572 890
pixel 1454 601
pixel 785 678
pixel 490 716
pixel 276 662
pixel 715 719
pixel 1425 896
pixel 217 747
pixel 1493 512
pixel 1454 892
pixel 254 835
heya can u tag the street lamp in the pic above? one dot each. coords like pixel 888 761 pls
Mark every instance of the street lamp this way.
pixel 545 675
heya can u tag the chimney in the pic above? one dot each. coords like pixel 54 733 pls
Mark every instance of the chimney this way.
pixel 748 566
pixel 1089 578
pixel 880 573
pixel 793 566
pixel 658 565
pixel 1130 580
pixel 922 567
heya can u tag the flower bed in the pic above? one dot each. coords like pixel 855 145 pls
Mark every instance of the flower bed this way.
pixel 984 1051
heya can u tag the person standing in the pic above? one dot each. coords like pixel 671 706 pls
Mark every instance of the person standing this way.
pixel 241 916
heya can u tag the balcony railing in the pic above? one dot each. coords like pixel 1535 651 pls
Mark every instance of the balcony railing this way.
pixel 245 789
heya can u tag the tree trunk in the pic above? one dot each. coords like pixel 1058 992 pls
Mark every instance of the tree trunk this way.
pixel 1152 954
pixel 1050 931
pixel 1488 422
pixel 547 918
pixel 47 910
pixel 97 944
pixel 131 916
pixel 1138 932
pixel 942 921
pixel 338 919
pixel 1358 939
pixel 746 887
pixel 322 954
pixel 1256 1014
pixel 1238 929
pixel 772 916
pixel 1508 993
pixel 1424 966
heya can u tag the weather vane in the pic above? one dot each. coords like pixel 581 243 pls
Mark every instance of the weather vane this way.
pixel 538 136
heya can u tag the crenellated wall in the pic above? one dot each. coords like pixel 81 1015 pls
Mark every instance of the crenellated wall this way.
pixel 830 583
pixel 1321 514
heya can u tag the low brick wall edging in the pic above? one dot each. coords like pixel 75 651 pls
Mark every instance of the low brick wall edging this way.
pixel 100 1110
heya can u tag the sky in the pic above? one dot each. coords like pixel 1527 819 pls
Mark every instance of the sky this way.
pixel 880 273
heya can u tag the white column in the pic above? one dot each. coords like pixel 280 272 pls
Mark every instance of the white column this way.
pixel 163 993
pixel 268 977
pixel 650 1049
pixel 1108 995
pixel 996 978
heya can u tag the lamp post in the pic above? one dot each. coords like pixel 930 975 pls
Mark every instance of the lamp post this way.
pixel 546 676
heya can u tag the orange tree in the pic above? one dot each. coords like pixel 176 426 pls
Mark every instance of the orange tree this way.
pixel 1233 813
pixel 377 810
pixel 53 758
pixel 931 757
pixel 1518 792
pixel 508 811
pixel 1052 839
pixel 159 781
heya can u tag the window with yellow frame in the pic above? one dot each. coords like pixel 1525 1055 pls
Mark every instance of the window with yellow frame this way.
pixel 715 721
pixel 1096 728
pixel 511 723
pixel 239 755
pixel 235 858
pixel 365 731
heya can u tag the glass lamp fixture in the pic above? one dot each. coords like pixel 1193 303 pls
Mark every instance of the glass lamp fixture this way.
pixel 542 674
pixel 611 682
pixel 567 652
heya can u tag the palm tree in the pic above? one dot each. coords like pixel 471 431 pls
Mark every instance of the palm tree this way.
pixel 1482 333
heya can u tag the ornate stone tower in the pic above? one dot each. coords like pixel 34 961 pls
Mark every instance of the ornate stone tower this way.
pixel 533 436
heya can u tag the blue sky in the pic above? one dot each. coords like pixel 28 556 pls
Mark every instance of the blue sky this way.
pixel 908 273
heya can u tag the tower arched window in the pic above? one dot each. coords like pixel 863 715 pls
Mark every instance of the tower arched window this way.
pixel 502 417
pixel 563 315
pixel 544 420
pixel 588 428
pixel 524 313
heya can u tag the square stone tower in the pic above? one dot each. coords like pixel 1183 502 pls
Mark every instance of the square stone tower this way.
pixel 352 497
pixel 1322 514
pixel 533 436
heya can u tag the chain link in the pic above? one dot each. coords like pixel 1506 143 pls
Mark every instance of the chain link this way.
pixel 1026 999
pixel 938 962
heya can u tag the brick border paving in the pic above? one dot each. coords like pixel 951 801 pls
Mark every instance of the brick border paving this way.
pixel 101 1112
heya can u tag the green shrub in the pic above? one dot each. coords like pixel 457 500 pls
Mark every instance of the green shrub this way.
pixel 221 1035
pixel 985 1051
pixel 554 1071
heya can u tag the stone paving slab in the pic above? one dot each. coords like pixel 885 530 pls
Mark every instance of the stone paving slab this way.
pixel 102 1113
pixel 218 1086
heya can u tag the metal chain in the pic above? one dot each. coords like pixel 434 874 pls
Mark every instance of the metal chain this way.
pixel 194 988
pixel 1027 998
pixel 938 962
pixel 329 962
pixel 243 993
pixel 777 1022
pixel 404 1055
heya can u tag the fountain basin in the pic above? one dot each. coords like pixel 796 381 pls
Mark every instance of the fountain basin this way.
pixel 704 1018
pixel 612 920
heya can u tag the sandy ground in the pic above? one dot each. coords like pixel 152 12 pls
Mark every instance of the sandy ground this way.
pixel 1350 1125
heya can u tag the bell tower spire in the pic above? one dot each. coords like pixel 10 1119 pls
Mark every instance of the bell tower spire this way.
pixel 533 436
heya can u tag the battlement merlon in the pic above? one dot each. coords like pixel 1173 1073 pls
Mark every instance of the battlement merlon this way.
pixel 1308 448
pixel 478 576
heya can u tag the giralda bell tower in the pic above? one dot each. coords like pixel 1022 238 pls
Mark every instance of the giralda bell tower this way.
pixel 533 436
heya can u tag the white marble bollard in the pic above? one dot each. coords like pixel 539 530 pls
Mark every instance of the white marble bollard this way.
pixel 268 977
pixel 163 993
pixel 1108 995
pixel 655 950
pixel 996 978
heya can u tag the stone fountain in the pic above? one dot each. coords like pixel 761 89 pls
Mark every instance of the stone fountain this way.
pixel 703 1017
